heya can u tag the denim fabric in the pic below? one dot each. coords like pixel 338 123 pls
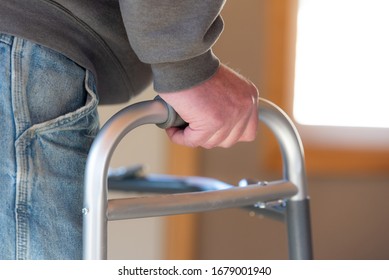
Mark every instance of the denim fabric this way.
pixel 48 120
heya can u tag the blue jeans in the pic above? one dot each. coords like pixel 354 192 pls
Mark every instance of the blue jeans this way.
pixel 48 120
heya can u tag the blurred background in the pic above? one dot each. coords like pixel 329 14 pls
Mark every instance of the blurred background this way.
pixel 326 64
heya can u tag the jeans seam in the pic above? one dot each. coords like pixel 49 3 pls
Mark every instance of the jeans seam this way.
pixel 21 122
pixel 20 108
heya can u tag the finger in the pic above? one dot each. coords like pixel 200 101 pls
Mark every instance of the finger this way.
pixel 188 136
pixel 217 138
pixel 233 136
pixel 244 131
pixel 251 128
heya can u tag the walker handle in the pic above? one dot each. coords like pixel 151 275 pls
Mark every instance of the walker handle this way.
pixel 173 119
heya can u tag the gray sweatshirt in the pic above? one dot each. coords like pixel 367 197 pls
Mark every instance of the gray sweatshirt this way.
pixel 125 43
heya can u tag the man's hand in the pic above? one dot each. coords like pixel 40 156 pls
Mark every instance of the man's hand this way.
pixel 220 112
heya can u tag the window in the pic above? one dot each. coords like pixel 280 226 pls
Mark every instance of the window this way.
pixel 341 87
pixel 337 84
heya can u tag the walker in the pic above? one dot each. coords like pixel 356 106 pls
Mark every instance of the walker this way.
pixel 286 199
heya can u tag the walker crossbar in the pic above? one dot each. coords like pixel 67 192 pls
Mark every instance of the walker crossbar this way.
pixel 131 180
pixel 97 209
pixel 163 205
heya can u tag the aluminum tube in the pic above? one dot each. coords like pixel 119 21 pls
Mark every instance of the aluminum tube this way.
pixel 170 184
pixel 95 189
pixel 299 230
pixel 163 205
pixel 290 144
pixel 297 214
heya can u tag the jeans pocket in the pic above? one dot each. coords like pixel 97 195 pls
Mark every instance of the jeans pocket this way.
pixel 64 141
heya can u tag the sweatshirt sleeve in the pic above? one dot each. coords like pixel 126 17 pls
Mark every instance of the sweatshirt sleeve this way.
pixel 175 37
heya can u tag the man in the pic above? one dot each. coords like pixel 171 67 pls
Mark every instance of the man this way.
pixel 58 58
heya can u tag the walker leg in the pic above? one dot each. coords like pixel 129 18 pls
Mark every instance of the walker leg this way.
pixel 299 230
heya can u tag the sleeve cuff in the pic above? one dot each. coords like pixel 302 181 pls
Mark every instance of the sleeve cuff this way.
pixel 175 76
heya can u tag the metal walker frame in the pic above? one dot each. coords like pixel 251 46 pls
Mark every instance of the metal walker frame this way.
pixel 210 195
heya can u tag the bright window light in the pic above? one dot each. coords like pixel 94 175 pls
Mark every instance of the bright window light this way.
pixel 342 63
